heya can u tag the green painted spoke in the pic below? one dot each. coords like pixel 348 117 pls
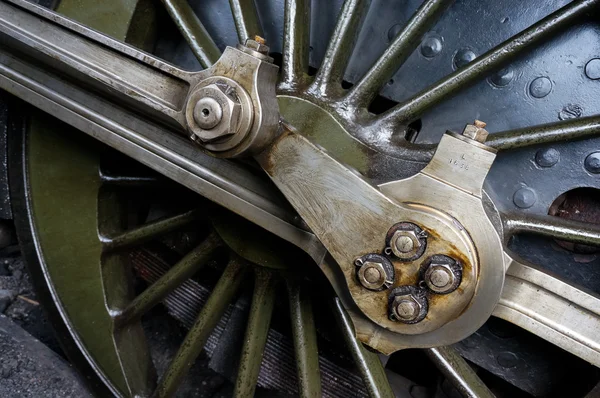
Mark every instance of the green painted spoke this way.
pixel 255 338
pixel 222 294
pixel 368 363
pixel 150 231
pixel 458 372
pixel 567 130
pixel 246 19
pixel 179 273
pixel 363 92
pixel 340 46
pixel 296 42
pixel 489 62
pixel 553 227
pixel 305 342
pixel 202 45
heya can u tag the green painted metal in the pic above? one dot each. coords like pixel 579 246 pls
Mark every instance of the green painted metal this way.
pixel 207 319
pixel 322 129
pixel 254 243
pixel 255 338
pixel 245 16
pixel 199 40
pixel 58 190
pixel 130 342
pixel 368 363
pixel 149 231
pixel 71 246
pixel 179 273
pixel 305 340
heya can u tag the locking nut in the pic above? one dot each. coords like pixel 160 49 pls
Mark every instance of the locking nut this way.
pixel 442 274
pixel 407 304
pixel 406 241
pixel 476 131
pixel 374 272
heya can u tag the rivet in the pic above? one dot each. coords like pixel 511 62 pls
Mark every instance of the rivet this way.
pixel 524 198
pixel 540 87
pixel 507 359
pixel 592 69
pixel 463 57
pixel 431 46
pixel 547 157
pixel 502 78
pixel 570 111
pixel 592 163
pixel 393 31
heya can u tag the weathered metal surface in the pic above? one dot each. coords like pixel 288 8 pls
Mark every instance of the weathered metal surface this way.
pixel 352 218
pixel 556 311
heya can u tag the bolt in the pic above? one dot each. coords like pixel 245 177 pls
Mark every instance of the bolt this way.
pixel 393 31
pixel 207 113
pixel 547 157
pixel 406 309
pixel 476 131
pixel 216 114
pixel 257 44
pixel 372 272
pixel 407 304
pixel 524 198
pixel 540 87
pixel 442 274
pixel 592 163
pixel 405 244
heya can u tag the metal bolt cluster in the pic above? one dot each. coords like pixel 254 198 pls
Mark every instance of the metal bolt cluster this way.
pixel 439 274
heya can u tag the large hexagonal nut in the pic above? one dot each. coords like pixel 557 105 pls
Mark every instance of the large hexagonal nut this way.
pixel 407 304
pixel 442 274
pixel 257 44
pixel 216 113
pixel 476 131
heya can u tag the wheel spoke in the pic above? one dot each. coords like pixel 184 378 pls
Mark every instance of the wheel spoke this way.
pixel 255 338
pixel 207 319
pixel 150 231
pixel 363 92
pixel 489 62
pixel 458 372
pixel 296 41
pixel 202 45
pixel 553 227
pixel 246 19
pixel 368 363
pixel 330 74
pixel 552 309
pixel 305 342
pixel 179 273
pixel 567 130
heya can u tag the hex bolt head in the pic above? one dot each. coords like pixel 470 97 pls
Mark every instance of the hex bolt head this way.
pixel 406 308
pixel 216 114
pixel 208 113
pixel 374 272
pixel 442 274
pixel 407 304
pixel 406 241
pixel 476 131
